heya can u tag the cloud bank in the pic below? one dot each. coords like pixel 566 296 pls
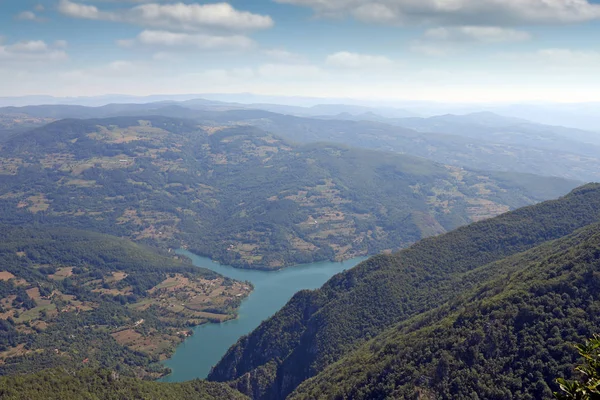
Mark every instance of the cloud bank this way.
pixel 457 12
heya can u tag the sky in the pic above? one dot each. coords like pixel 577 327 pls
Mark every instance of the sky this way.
pixel 439 50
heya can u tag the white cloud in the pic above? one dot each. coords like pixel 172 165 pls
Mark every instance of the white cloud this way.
pixel 186 41
pixel 77 10
pixel 33 46
pixel 119 69
pixel 31 52
pixel 431 49
pixel 284 56
pixel 194 16
pixel 40 8
pixel 290 71
pixel 458 12
pixel 554 58
pixel 224 75
pixel 375 12
pixel 348 60
pixel 163 56
pixel 487 34
pixel 26 16
pixel 120 66
pixel 130 1
pixel 178 16
pixel 262 74
pixel 442 41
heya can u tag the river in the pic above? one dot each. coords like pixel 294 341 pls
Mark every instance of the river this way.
pixel 195 357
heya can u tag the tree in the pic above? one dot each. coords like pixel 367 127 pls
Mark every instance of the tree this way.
pixel 588 388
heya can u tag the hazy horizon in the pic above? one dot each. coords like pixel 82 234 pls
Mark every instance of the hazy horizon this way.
pixel 391 50
pixel 575 115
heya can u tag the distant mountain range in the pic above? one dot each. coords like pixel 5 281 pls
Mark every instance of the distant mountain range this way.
pixel 477 290
pixel 483 141
pixel 584 116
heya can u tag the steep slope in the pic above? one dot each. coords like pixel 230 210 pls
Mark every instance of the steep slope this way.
pixel 76 298
pixel 243 196
pixel 508 338
pixel 102 384
pixel 315 329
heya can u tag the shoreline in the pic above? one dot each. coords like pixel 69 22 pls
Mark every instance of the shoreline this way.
pixel 272 289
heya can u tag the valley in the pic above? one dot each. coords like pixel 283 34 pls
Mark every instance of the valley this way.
pixel 243 196
pixel 413 287
pixel 299 200
pixel 480 141
pixel 272 290
pixel 112 225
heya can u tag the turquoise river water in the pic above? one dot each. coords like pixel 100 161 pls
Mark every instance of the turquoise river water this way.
pixel 195 357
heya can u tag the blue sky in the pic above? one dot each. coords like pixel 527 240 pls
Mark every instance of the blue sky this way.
pixel 445 50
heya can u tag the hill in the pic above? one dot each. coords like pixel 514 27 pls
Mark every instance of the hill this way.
pixel 483 141
pixel 75 298
pixel 468 146
pixel 102 384
pixel 319 328
pixel 241 195
pixel 510 131
pixel 510 337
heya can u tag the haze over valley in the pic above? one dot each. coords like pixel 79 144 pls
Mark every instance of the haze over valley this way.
pixel 299 199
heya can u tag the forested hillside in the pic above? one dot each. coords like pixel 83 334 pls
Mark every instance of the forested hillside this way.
pixel 60 384
pixel 243 196
pixel 573 160
pixel 508 338
pixel 316 329
pixel 74 298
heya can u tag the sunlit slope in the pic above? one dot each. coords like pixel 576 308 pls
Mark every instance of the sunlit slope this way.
pixel 243 196
pixel 318 328
pixel 509 337
pixel 74 298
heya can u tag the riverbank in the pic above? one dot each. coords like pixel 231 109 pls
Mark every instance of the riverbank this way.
pixel 272 290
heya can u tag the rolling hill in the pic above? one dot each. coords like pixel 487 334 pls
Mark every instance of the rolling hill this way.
pixel 511 131
pixel 509 337
pixel 483 141
pixel 241 195
pixel 475 306
pixel 74 298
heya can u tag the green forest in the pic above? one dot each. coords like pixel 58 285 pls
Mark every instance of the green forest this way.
pixel 479 141
pixel 478 291
pixel 60 384
pixel 242 196
pixel 509 337
pixel 70 297
pixel 494 307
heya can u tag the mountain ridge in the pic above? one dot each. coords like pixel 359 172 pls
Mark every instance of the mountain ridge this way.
pixel 316 328
pixel 506 338
pixel 254 198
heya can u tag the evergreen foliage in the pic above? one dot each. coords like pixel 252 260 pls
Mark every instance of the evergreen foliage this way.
pixel 588 387
pixel 92 384
pixel 316 329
